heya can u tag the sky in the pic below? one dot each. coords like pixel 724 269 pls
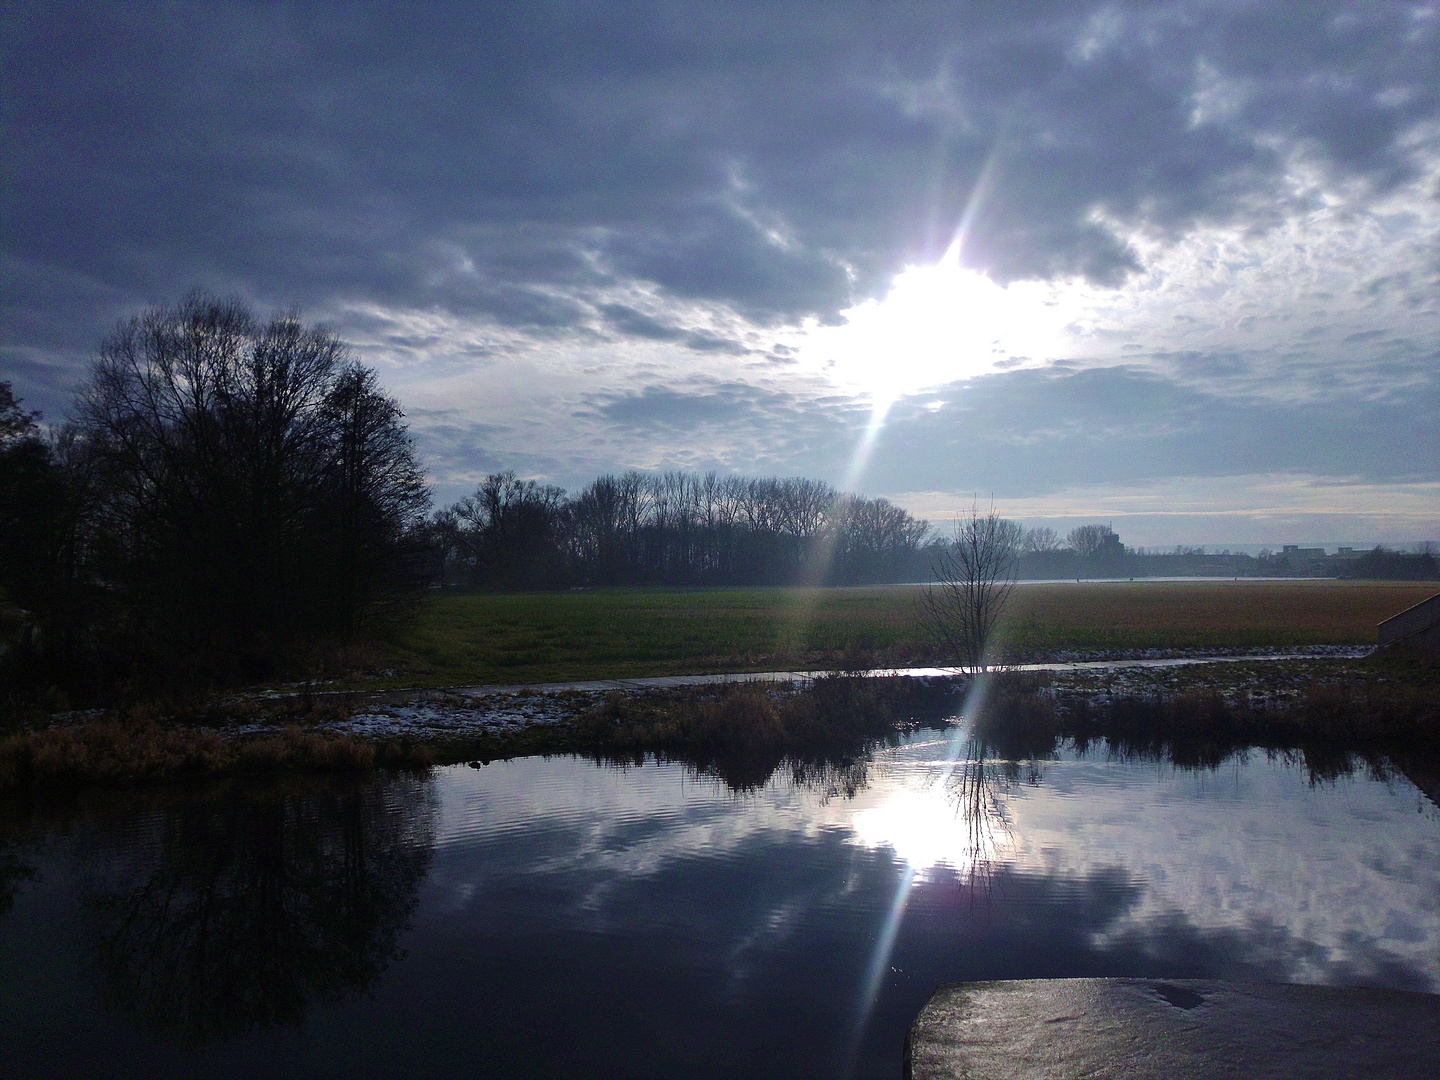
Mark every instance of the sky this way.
pixel 1173 266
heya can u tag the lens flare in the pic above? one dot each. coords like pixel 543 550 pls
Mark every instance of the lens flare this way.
pixel 895 913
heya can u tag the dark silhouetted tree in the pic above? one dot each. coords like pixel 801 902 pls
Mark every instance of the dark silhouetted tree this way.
pixel 375 499
pixel 29 488
pixel 45 491
pixel 675 528
pixel 511 532
pixel 255 486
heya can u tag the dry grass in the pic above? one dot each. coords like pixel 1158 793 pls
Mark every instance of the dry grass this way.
pixel 1205 614
pixel 129 750
pixel 742 732
pixel 1388 704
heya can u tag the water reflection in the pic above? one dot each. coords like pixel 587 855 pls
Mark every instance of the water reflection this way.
pixel 17 854
pixel 573 919
pixel 236 909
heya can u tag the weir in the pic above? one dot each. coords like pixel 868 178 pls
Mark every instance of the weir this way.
pixel 1417 626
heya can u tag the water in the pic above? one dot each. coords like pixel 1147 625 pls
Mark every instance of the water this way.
pixel 670 682
pixel 554 917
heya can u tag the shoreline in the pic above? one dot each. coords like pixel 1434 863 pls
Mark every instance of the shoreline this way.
pixel 1336 697
pixel 1097 660
pixel 428 714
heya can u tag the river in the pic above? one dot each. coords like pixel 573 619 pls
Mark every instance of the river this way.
pixel 562 917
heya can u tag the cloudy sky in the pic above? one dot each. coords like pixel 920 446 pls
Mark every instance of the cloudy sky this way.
pixel 1171 265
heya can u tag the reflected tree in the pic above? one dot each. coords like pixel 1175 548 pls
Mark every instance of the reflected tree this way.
pixel 17 850
pixel 979 782
pixel 239 912
pixel 833 779
pixel 15 871
pixel 1005 743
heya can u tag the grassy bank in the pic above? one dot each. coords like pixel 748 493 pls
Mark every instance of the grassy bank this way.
pixel 626 633
pixel 150 743
pixel 1384 704
pixel 741 731
pixel 1330 709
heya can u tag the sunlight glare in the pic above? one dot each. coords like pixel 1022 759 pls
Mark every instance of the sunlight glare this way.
pixel 939 324
pixel 921 827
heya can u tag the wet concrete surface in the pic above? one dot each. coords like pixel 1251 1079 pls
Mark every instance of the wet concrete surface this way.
pixel 1057 1029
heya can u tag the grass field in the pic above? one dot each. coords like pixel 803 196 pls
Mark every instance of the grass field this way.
pixel 617 633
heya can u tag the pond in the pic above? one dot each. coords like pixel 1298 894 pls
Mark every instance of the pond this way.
pixel 559 917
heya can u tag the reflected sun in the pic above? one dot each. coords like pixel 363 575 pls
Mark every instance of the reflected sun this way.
pixel 923 828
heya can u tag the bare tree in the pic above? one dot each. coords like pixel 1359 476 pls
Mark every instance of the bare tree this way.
pixel 257 486
pixel 974 577
pixel 685 529
pixel 1041 541
pixel 1088 541
pixel 375 498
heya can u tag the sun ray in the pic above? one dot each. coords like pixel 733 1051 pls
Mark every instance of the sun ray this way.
pixel 895 913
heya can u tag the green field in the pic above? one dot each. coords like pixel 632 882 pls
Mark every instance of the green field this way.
pixel 615 633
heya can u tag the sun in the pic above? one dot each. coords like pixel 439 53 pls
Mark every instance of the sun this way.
pixel 939 323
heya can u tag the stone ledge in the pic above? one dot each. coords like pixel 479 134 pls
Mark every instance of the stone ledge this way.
pixel 1176 1029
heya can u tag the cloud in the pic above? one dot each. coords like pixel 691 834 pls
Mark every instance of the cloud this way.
pixel 658 406
pixel 731 158
pixel 1033 431
pixel 629 321
pixel 1239 199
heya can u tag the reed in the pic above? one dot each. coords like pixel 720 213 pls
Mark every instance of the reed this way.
pixel 129 750
pixel 1389 704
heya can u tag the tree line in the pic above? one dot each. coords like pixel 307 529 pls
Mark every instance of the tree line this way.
pixel 1096 551
pixel 672 528
pixel 229 491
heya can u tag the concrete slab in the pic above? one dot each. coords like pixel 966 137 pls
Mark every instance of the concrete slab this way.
pixel 1057 1029
pixel 1418 625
